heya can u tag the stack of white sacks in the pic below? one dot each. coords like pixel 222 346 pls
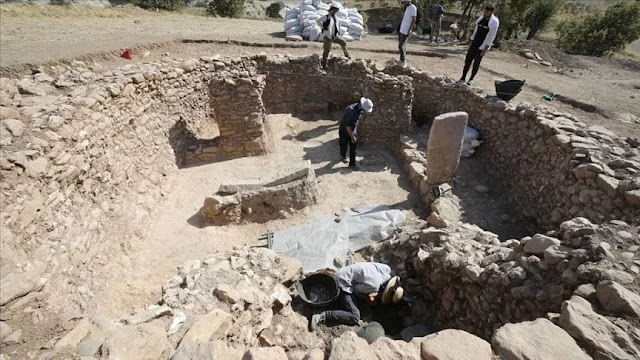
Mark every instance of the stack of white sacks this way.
pixel 300 22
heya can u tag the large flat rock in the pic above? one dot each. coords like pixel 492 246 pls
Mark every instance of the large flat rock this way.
pixel 604 338
pixel 212 326
pixel 445 146
pixel 455 345
pixel 535 340
pixel 141 342
pixel 618 299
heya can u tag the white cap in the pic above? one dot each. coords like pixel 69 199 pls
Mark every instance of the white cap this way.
pixel 366 104
pixel 334 6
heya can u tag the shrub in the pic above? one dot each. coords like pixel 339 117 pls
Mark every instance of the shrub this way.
pixel 169 5
pixel 539 15
pixel 273 10
pixel 226 8
pixel 60 2
pixel 601 34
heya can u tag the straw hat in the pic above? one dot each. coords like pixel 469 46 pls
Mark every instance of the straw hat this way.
pixel 393 292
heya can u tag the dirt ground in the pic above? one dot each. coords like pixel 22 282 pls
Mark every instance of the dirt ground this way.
pixel 176 232
pixel 607 88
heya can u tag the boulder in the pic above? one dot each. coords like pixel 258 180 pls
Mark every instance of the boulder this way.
pixel 315 354
pixel 265 353
pixel 290 269
pixel 141 342
pixel 535 340
pixel 388 349
pixel 212 326
pixel 75 336
pixel 29 88
pixel 447 209
pixel 539 243
pixel 455 345
pixel 444 146
pixel 17 284
pixel 227 293
pixel 617 299
pixel 350 347
pixel 602 337
pixel 210 350
pixel 15 127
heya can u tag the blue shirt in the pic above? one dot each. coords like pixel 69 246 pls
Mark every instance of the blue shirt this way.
pixel 350 118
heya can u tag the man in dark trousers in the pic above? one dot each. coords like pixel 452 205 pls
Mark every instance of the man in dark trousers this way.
pixel 436 20
pixel 349 129
pixel 362 281
pixel 332 30
pixel 481 41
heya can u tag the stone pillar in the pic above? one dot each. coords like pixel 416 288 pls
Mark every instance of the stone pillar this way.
pixel 391 118
pixel 444 146
pixel 240 114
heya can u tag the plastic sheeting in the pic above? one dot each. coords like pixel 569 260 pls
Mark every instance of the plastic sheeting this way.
pixel 322 239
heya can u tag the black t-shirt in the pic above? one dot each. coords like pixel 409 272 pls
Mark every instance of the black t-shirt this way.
pixel 481 34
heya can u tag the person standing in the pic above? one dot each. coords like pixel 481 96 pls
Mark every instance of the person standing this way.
pixel 348 132
pixel 362 281
pixel 481 41
pixel 436 20
pixel 406 27
pixel 332 30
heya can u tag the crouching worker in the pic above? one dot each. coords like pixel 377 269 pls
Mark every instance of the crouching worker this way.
pixel 349 129
pixel 368 281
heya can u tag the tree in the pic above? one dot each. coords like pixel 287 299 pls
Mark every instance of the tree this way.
pixel 539 15
pixel 601 34
pixel 226 8
pixel 273 10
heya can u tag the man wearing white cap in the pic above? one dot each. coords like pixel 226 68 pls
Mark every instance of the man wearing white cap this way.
pixel 368 281
pixel 406 27
pixel 331 30
pixel 349 128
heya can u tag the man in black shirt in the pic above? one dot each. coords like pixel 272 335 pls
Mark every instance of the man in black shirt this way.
pixel 349 128
pixel 483 36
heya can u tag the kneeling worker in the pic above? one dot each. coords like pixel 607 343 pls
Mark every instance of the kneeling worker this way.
pixel 349 129
pixel 361 281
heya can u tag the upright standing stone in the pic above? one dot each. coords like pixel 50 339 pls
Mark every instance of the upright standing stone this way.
pixel 444 146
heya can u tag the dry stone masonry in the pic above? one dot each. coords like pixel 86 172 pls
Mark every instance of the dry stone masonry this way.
pixel 285 191
pixel 86 154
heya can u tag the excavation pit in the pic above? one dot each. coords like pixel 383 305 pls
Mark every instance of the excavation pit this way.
pixel 107 175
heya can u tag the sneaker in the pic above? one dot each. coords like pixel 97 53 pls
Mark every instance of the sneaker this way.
pixel 461 81
pixel 471 83
pixel 354 166
pixel 345 160
pixel 402 63
pixel 317 319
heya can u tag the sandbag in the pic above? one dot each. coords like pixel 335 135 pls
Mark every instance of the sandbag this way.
pixel 308 8
pixel 293 38
pixel 342 14
pixel 344 23
pixel 309 23
pixel 322 12
pixel 306 2
pixel 294 30
pixel 323 6
pixel 347 37
pixel 315 32
pixel 357 20
pixel 355 28
pixel 291 23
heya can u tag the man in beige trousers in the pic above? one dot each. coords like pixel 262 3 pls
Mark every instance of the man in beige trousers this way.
pixel 331 30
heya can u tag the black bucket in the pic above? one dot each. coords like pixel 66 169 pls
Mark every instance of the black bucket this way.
pixel 507 90
pixel 318 290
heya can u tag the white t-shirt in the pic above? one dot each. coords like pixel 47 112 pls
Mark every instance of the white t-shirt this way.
pixel 409 12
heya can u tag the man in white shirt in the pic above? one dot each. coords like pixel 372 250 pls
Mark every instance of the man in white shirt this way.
pixel 332 30
pixel 481 41
pixel 406 27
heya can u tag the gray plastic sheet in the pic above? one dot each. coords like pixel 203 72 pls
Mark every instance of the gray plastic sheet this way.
pixel 323 239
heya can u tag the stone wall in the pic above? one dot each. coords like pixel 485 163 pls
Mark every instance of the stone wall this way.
pixel 391 117
pixel 272 197
pixel 479 283
pixel 553 166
